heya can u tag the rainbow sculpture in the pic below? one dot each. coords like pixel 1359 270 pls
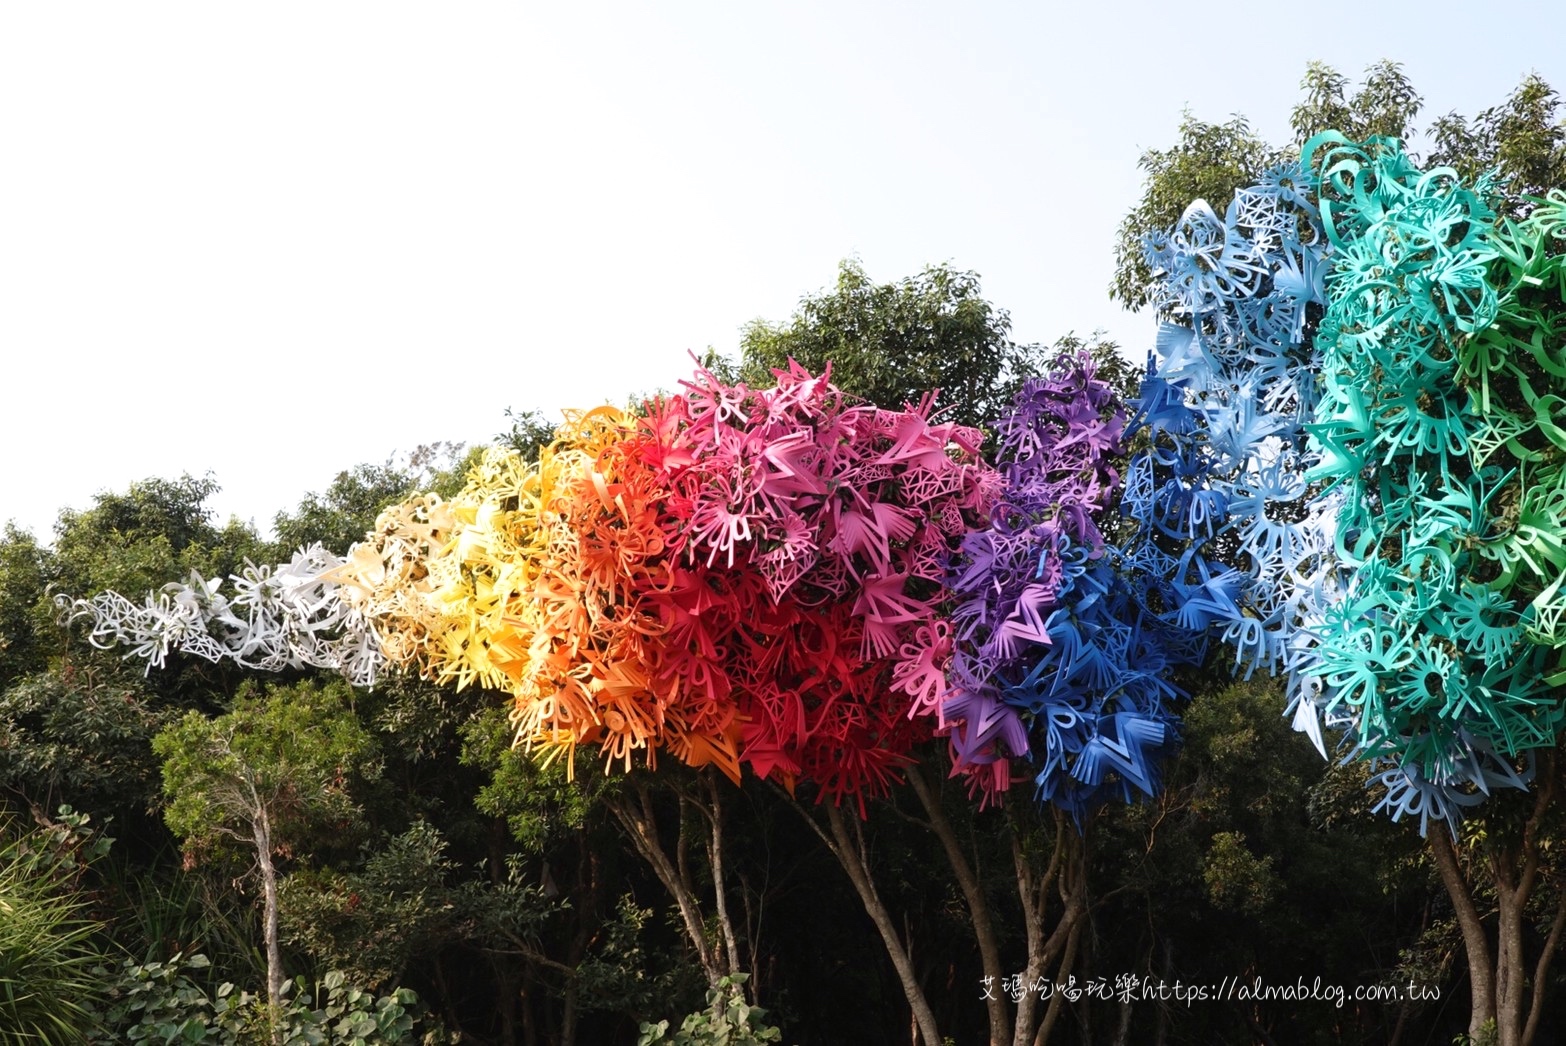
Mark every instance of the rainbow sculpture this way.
pixel 735 576
pixel 1350 469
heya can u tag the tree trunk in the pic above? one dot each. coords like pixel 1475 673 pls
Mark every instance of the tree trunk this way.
pixel 978 906
pixel 849 849
pixel 1541 971
pixel 637 818
pixel 1476 944
pixel 715 861
pixel 1033 895
pixel 511 996
pixel 1066 939
pixel 586 894
pixel 262 827
pixel 1510 900
pixel 1507 997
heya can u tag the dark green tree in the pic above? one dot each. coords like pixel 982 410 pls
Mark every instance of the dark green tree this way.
pixel 156 532
pixel 1523 139
pixel 1384 105
pixel 26 617
pixel 892 342
pixel 346 510
pixel 530 431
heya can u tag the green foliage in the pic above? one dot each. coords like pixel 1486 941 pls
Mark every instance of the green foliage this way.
pixel 623 975
pixel 892 342
pixel 156 532
pixel 288 753
pixel 727 1021
pixel 48 945
pixel 1237 879
pixel 422 721
pixel 159 1002
pixel 1385 104
pixel 504 912
pixel 26 617
pixel 346 511
pixel 340 516
pixel 1521 138
pixel 373 922
pixel 538 802
pixel 530 432
pixel 80 735
pixel 162 910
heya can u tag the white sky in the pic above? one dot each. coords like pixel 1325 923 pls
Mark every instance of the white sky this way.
pixel 273 240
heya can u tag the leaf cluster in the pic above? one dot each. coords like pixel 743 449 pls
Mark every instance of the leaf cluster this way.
pixel 285 753
pixel 891 343
pixel 80 735
pixel 160 1002
pixel 727 1021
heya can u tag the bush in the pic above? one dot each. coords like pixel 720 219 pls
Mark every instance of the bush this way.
pixel 727 1021
pixel 48 946
pixel 159 1002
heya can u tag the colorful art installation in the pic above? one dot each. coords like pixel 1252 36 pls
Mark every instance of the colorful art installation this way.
pixel 1220 489
pixel 1349 468
pixel 1355 467
pixel 286 616
pixel 736 577
pixel 832 524
pixel 1059 658
pixel 1440 446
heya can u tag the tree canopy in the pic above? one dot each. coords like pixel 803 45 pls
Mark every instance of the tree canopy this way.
pixel 893 342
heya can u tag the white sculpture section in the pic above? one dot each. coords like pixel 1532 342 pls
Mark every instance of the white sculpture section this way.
pixel 276 617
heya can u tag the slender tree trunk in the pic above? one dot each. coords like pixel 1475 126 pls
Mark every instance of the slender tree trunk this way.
pixel 262 827
pixel 1033 894
pixel 715 861
pixel 637 818
pixel 1542 969
pixel 1476 944
pixel 1123 1025
pixel 1521 1024
pixel 978 906
pixel 1066 940
pixel 849 849
pixel 1503 994
pixel 448 1008
pixel 1161 1038
pixel 1056 1002
pixel 513 996
pixel 1510 900
pixel 587 908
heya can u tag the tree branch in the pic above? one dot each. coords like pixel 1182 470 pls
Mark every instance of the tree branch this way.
pixel 1542 967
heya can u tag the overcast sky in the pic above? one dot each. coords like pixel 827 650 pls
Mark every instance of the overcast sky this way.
pixel 272 240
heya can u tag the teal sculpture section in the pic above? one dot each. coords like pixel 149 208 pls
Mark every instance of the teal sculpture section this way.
pixel 1439 445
